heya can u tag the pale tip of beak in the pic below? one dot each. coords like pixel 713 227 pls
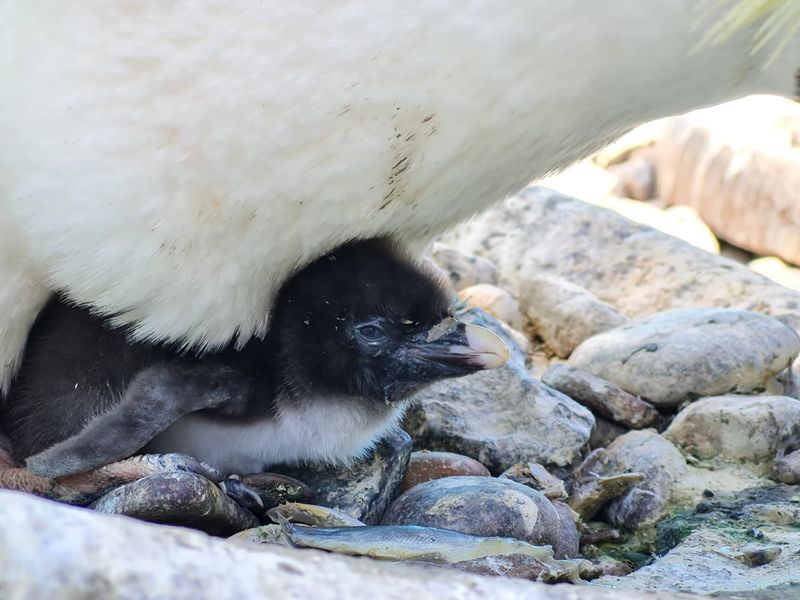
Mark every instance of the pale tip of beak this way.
pixel 487 349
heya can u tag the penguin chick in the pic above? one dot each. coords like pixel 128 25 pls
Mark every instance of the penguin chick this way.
pixel 353 336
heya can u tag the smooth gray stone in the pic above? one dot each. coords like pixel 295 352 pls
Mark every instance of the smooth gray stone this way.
pixel 364 489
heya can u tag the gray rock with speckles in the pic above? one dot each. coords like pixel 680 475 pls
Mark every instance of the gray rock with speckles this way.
pixel 688 353
pixel 463 269
pixel 787 468
pixel 487 506
pixel 500 417
pixel 564 314
pixel 634 268
pixel 737 428
pixel 364 489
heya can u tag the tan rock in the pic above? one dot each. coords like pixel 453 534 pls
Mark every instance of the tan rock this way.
pixel 584 180
pixel 634 268
pixel 682 222
pixel 645 135
pixel 519 338
pixel 494 301
pixel 564 314
pixel 738 166
pixel 777 270
pixel 787 468
pixel 737 428
pixel 537 477
pixel 636 179
pixel 461 268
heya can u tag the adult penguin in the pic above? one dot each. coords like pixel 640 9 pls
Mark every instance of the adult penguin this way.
pixel 171 163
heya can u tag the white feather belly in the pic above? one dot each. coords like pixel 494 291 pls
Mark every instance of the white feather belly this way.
pixel 330 432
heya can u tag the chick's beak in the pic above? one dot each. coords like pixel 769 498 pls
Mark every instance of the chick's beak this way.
pixel 484 348
pixel 462 348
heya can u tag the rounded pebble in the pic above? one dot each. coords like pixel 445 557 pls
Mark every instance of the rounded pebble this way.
pixel 487 507
pixel 737 428
pixel 689 353
pixel 426 466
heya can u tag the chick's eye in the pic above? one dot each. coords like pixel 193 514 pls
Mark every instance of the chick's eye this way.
pixel 371 333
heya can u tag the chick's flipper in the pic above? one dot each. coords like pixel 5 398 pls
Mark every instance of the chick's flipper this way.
pixel 156 398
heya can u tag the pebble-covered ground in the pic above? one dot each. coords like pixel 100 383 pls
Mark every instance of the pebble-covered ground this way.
pixel 645 433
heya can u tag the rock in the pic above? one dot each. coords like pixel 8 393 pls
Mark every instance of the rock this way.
pixel 521 566
pixel 520 339
pixel 585 180
pixel 486 507
pixel 310 514
pixel 754 555
pixel 426 466
pixel 364 489
pixel 611 567
pixel 777 270
pixel 597 532
pixel 535 476
pixel 636 179
pixel 775 513
pixel 500 417
pixel 725 546
pixel 564 314
pixel 639 139
pixel 50 550
pixel 569 537
pixel 463 269
pixel 637 452
pixel 687 353
pixel 737 428
pixel 636 269
pixel 698 565
pixel 274 489
pixel 736 165
pixel 264 534
pixel 604 433
pixel 791 380
pixel 540 357
pixel 601 397
pixel 494 301
pixel 593 493
pixel 682 222
pixel 183 499
pixel 787 468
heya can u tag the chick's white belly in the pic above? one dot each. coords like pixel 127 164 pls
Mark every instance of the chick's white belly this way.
pixel 323 434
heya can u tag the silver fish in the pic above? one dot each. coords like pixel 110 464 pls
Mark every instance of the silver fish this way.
pixel 411 542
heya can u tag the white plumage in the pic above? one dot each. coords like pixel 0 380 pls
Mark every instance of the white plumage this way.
pixel 172 162
pixel 328 432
